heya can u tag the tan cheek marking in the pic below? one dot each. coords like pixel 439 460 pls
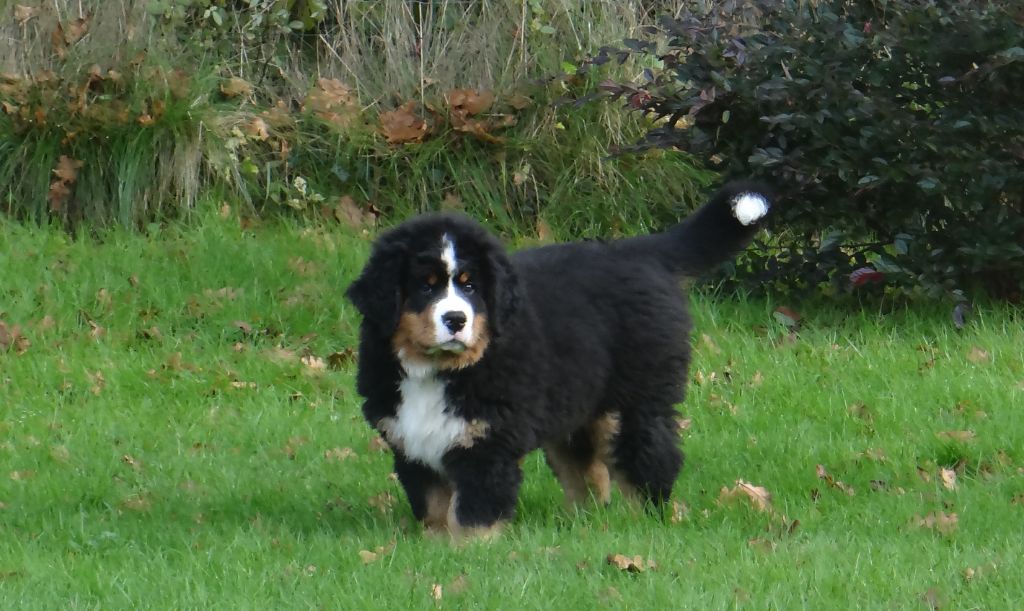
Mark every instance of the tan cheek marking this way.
pixel 413 334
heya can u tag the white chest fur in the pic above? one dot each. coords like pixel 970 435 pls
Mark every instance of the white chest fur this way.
pixel 422 428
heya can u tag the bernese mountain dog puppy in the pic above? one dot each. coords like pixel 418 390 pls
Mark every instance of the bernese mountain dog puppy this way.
pixel 470 358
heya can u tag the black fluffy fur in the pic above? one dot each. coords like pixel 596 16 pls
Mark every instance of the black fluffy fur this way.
pixel 577 330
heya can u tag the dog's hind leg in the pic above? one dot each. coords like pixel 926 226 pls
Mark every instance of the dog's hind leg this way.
pixel 646 456
pixel 581 462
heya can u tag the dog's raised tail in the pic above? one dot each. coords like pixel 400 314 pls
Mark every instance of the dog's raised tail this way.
pixel 719 229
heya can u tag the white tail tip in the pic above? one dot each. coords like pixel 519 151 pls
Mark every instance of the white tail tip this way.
pixel 749 208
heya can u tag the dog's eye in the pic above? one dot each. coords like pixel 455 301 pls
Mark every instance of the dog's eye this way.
pixel 465 283
pixel 426 288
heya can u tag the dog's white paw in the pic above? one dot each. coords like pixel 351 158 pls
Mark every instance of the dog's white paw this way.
pixel 749 208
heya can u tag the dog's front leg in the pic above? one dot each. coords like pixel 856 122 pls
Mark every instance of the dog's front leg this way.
pixel 429 494
pixel 485 491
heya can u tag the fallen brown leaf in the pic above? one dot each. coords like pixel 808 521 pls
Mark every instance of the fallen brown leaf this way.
pixel 77 30
pixel 758 497
pixel 348 212
pixel 332 102
pixel 137 502
pixel 436 592
pixel 680 512
pixel 948 478
pixel 67 169
pixel 787 317
pixel 544 233
pixel 636 564
pixel 98 382
pixel 932 599
pixel 963 436
pixel 872 454
pixel 464 102
pixel 978 355
pixel 367 556
pixel 236 87
pixel 402 125
pixel 762 545
pixel 382 502
pixel 23 14
pixel 12 338
pixel 832 482
pixel 338 360
pixel 377 444
pixel 944 523
pixel 339 454
pixel 132 462
pixel 459 585
pixel 314 364
pixel 60 453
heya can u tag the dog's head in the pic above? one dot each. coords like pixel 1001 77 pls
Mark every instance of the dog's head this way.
pixel 440 287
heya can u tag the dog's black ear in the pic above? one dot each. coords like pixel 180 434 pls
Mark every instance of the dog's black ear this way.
pixel 377 292
pixel 502 292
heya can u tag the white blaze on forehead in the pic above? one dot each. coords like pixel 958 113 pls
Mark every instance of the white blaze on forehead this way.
pixel 448 255
pixel 749 207
pixel 452 301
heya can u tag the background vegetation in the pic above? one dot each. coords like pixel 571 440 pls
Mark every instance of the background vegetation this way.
pixel 890 129
pixel 134 111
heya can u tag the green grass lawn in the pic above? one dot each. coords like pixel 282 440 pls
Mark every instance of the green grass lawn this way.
pixel 175 433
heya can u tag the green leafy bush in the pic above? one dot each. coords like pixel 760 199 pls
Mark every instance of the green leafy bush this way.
pixel 893 130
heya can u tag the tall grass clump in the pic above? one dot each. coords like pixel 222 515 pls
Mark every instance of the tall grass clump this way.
pixel 129 112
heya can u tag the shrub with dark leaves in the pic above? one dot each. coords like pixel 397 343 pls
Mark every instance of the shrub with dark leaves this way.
pixel 893 129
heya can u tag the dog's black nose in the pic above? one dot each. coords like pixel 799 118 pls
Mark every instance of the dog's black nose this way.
pixel 454 321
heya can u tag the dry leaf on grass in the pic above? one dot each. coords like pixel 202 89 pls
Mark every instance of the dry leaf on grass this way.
pixel 235 87
pixel 349 213
pixel 382 502
pixel 458 585
pixel 76 30
pixel 978 355
pixel 436 592
pixel 939 521
pixel 314 364
pixel 332 102
pixel 962 436
pixel 338 360
pixel 367 556
pixel 469 101
pixel 832 482
pixel 948 478
pixel 137 502
pixel 377 444
pixel 12 338
pixel 758 497
pixel 402 125
pixel 339 454
pixel 636 564
pixel 23 14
